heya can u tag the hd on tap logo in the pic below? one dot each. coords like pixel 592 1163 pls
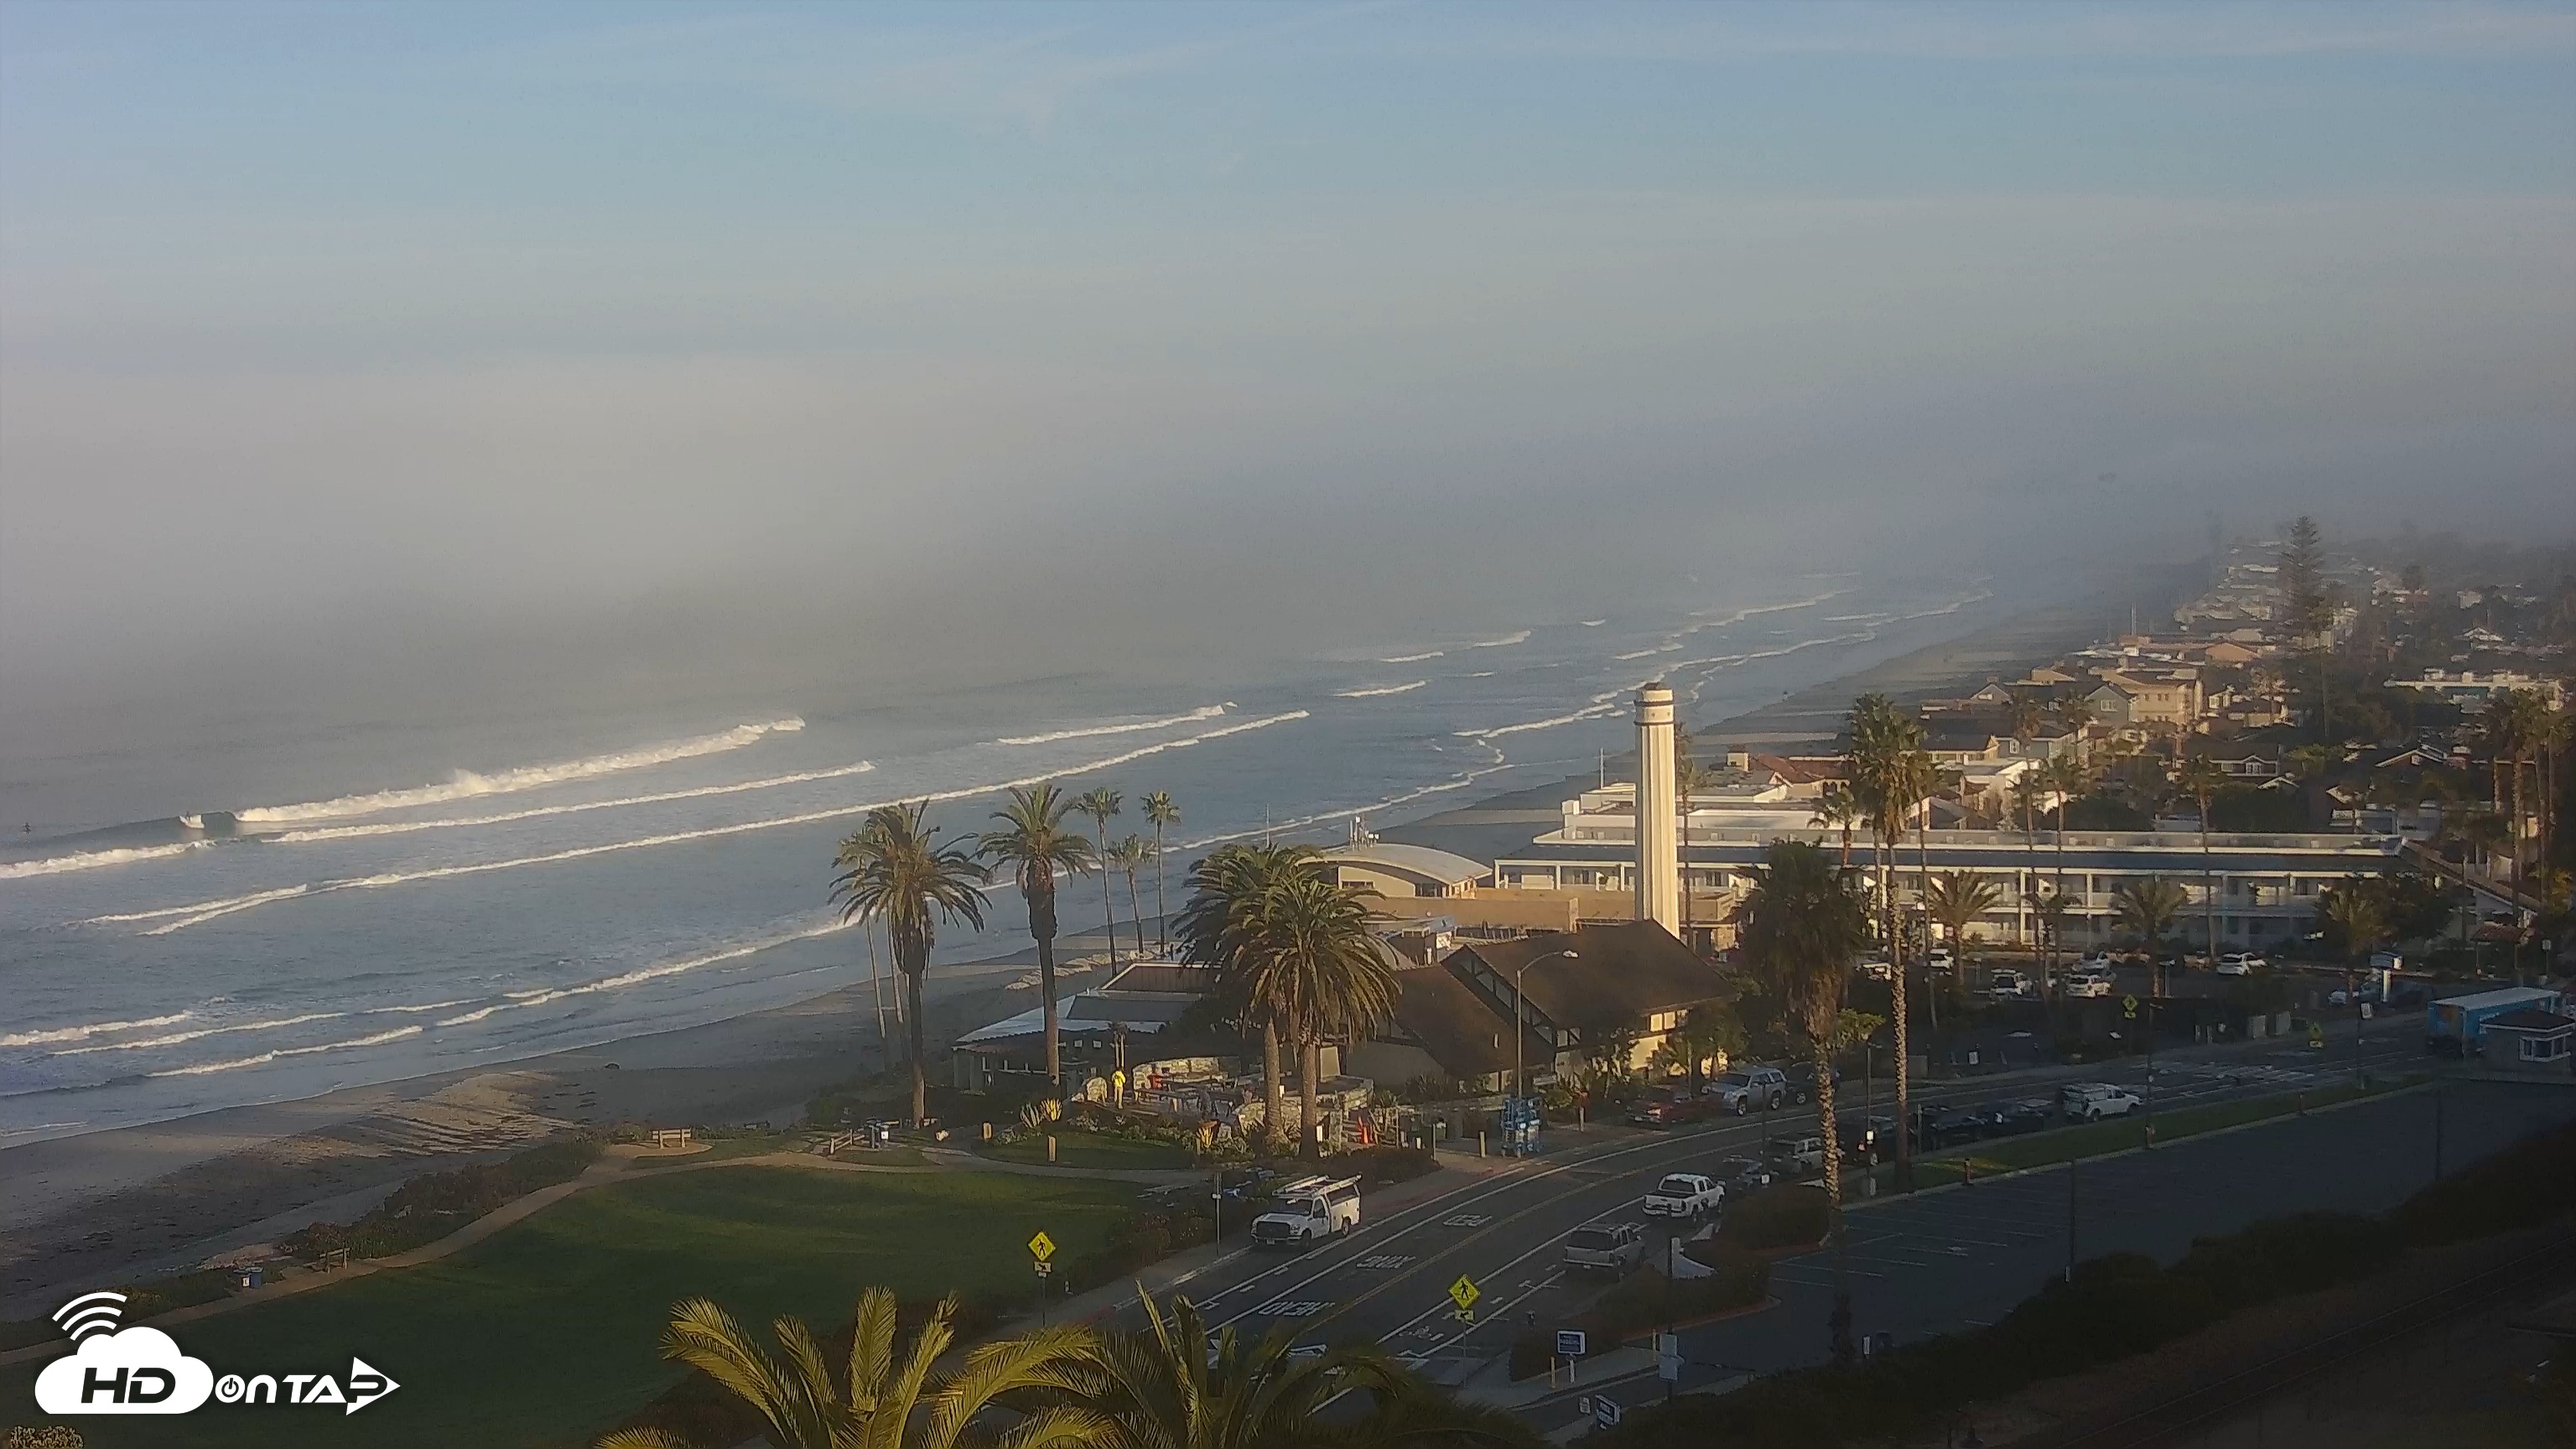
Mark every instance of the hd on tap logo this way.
pixel 140 1370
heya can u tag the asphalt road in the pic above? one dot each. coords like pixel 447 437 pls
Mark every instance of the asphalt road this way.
pixel 1941 1261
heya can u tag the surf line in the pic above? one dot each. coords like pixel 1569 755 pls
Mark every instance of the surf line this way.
pixel 180 918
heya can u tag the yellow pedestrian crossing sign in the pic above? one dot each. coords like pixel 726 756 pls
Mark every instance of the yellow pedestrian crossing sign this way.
pixel 1042 1247
pixel 2128 1006
pixel 1464 1293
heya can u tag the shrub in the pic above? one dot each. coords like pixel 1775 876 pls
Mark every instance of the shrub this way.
pixel 1386 1163
pixel 1783 1215
pixel 434 1204
pixel 1647 1299
pixel 2519 1188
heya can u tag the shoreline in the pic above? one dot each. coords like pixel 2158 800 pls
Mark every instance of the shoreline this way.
pixel 146 1200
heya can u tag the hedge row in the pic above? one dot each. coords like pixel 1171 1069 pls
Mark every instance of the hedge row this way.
pixel 434 1204
pixel 1783 1215
pixel 1646 1299
pixel 2111 1308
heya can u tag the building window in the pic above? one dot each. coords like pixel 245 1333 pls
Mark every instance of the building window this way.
pixel 2543 1049
pixel 1663 1021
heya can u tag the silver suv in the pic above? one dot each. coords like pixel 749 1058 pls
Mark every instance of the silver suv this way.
pixel 1750 1089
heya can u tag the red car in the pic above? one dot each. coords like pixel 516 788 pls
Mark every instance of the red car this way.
pixel 1669 1107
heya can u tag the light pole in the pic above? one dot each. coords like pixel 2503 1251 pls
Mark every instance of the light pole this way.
pixel 1520 1028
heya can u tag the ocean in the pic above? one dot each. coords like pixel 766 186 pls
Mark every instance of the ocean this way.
pixel 663 869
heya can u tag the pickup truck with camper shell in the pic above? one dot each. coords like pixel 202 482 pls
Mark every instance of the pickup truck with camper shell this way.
pixel 1685 1195
pixel 1309 1211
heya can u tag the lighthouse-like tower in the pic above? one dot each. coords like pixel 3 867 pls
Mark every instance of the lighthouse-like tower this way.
pixel 1658 839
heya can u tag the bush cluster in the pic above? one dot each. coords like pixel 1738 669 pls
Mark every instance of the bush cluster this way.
pixel 1783 1215
pixel 1646 1299
pixel 1385 1163
pixel 431 1206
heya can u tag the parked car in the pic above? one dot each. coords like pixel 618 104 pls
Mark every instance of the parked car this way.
pixel 2240 963
pixel 1951 1126
pixel 2093 1101
pixel 2089 983
pixel 1685 1195
pixel 1750 1089
pixel 2011 1119
pixel 1865 1135
pixel 2008 983
pixel 1802 1080
pixel 1615 1249
pixel 1938 960
pixel 1877 970
pixel 2097 959
pixel 1796 1155
pixel 1670 1107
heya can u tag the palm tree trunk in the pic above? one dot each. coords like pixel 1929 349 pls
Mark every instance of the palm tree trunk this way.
pixel 2517 868
pixel 1923 893
pixel 920 1080
pixel 1841 1322
pixel 1309 1110
pixel 2208 888
pixel 1896 978
pixel 1136 913
pixel 1162 913
pixel 1046 989
pixel 1274 1099
pixel 1108 912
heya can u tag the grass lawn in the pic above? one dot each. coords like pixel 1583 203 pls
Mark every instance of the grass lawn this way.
pixel 2118 1134
pixel 1083 1149
pixel 547 1333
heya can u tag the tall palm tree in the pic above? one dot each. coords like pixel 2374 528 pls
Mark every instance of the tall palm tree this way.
pixel 1800 926
pixel 874 1404
pixel 1839 810
pixel 1035 843
pixel 2147 909
pixel 1321 965
pixel 1690 777
pixel 2065 779
pixel 1101 805
pixel 1882 743
pixel 1918 778
pixel 2200 778
pixel 2357 909
pixel 896 870
pixel 1959 899
pixel 1161 812
pixel 2517 723
pixel 2050 907
pixel 1174 1385
pixel 1128 857
pixel 1217 928
pixel 2074 712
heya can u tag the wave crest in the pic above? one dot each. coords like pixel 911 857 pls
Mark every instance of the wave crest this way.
pixel 467 784
pixel 1203 712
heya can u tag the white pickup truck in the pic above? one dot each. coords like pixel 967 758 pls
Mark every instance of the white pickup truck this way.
pixel 2093 1101
pixel 1309 1211
pixel 1685 1195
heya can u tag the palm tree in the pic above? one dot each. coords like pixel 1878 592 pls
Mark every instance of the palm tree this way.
pixel 2024 716
pixel 2146 909
pixel 2518 725
pixel 1036 845
pixel 1839 810
pixel 1160 812
pixel 1128 856
pixel 1690 777
pixel 2051 908
pixel 1176 1386
pixel 2357 910
pixel 2200 778
pixel 1101 805
pixel 1800 926
pixel 1959 899
pixel 1216 927
pixel 2065 779
pixel 1323 969
pixel 1918 778
pixel 874 1405
pixel 2026 793
pixel 2074 712
pixel 1883 743
pixel 895 870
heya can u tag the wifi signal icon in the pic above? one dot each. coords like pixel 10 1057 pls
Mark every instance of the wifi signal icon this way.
pixel 90 1313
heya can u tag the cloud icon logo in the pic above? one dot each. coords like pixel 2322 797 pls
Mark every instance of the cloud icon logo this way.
pixel 132 1371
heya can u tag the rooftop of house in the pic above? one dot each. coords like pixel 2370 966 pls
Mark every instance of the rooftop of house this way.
pixel 1616 975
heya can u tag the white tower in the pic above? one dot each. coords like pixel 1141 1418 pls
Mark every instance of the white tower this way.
pixel 1658 844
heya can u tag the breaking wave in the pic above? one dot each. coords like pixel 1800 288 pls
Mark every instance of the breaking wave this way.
pixel 180 918
pixel 1413 658
pixel 1204 712
pixel 467 784
pixel 264 1058
pixel 95 1028
pixel 401 827
pixel 93 859
pixel 1602 710
pixel 1381 689
pixel 1508 639
pixel 176 1037
pixel 519 999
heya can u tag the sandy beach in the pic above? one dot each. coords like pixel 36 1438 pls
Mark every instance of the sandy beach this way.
pixel 131 1203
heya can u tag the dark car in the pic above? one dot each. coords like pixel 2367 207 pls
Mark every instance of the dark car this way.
pixel 2011 1119
pixel 1951 1126
pixel 1741 1174
pixel 1866 1136
pixel 1670 1107
pixel 1802 1080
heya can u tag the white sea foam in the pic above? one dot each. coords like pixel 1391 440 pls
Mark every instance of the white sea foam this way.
pixel 264 1058
pixel 467 784
pixel 95 1028
pixel 1381 689
pixel 1594 623
pixel 1204 712
pixel 402 827
pixel 1413 658
pixel 176 1037
pixel 519 999
pixel 202 911
pixel 1598 710
pixel 1506 640
pixel 1642 653
pixel 93 859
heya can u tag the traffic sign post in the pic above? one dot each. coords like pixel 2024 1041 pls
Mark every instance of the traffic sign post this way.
pixel 1041 1248
pixel 1668 1360
pixel 1464 1293
pixel 1569 1343
pixel 1605 1411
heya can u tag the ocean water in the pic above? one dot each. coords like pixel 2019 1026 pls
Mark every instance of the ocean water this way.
pixel 657 871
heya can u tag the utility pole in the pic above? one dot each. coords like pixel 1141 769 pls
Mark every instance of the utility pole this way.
pixel 2072 1168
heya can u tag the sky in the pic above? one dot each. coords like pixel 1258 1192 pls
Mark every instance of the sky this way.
pixel 428 324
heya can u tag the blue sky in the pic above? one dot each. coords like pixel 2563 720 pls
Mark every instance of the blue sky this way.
pixel 509 300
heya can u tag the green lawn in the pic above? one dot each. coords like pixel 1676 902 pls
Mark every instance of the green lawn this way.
pixel 2119 1134
pixel 546 1334
pixel 1083 1149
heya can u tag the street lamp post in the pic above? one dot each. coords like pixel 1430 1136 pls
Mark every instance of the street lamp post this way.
pixel 1520 1028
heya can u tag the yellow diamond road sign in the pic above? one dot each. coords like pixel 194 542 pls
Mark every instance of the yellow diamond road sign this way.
pixel 1464 1293
pixel 1042 1247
